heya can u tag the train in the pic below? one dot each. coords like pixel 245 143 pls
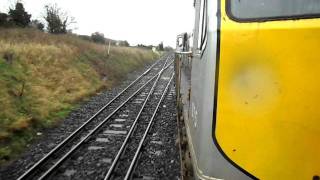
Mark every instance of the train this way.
pixel 248 89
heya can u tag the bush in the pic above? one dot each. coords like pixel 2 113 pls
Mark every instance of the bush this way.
pixel 124 43
pixel 37 24
pixel 3 19
pixel 98 37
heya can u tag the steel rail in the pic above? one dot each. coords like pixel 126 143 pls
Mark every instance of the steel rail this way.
pixel 49 171
pixel 65 141
pixel 135 158
pixel 116 159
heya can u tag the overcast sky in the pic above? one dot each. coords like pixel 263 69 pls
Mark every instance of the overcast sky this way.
pixel 138 21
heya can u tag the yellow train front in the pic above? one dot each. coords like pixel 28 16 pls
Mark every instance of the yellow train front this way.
pixel 249 89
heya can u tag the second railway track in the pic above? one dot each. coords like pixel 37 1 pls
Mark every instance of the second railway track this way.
pixel 79 141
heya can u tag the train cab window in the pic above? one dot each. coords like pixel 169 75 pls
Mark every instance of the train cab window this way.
pixel 202 27
pixel 255 10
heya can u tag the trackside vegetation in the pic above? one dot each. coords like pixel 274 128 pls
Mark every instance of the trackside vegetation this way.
pixel 43 77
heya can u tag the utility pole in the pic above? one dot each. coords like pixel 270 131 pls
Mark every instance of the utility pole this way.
pixel 109 47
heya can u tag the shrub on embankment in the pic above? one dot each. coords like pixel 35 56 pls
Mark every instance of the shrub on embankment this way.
pixel 43 77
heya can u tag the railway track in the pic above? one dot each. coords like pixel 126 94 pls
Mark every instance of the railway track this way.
pixel 126 158
pixel 159 157
pixel 108 120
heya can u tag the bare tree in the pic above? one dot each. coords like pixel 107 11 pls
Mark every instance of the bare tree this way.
pixel 57 20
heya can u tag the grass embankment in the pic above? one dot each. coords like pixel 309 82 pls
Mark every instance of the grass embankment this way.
pixel 43 77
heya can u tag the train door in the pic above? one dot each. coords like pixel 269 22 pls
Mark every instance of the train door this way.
pixel 208 161
pixel 196 102
pixel 267 116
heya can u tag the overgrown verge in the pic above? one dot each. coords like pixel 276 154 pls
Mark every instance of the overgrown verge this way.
pixel 43 77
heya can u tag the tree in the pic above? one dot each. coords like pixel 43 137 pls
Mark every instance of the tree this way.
pixel 98 37
pixel 124 43
pixel 19 16
pixel 168 48
pixel 160 47
pixel 57 20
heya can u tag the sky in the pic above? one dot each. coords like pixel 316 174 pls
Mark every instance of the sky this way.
pixel 138 21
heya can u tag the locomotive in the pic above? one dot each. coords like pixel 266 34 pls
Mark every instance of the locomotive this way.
pixel 248 89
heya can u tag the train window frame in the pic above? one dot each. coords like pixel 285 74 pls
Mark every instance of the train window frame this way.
pixel 202 34
pixel 265 19
pixel 180 41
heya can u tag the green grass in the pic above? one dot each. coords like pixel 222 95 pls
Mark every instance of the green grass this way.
pixel 48 76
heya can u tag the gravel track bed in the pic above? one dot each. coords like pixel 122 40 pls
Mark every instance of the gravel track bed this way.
pixel 92 160
pixel 127 155
pixel 160 155
pixel 50 137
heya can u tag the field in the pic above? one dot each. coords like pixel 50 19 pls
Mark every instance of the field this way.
pixel 43 77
